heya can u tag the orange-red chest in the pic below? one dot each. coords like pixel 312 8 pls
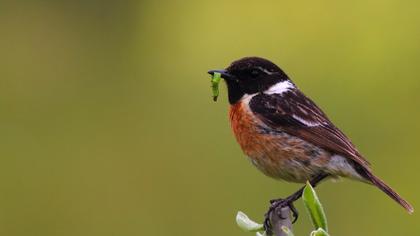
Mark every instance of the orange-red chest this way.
pixel 248 132
pixel 263 150
pixel 275 153
pixel 244 127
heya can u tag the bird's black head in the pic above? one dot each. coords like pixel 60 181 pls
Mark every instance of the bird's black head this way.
pixel 250 75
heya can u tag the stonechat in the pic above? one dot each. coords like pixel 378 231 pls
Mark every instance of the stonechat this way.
pixel 286 135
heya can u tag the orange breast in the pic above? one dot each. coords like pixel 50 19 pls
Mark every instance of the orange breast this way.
pixel 244 127
pixel 276 154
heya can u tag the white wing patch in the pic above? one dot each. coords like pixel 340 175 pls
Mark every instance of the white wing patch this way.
pixel 306 122
pixel 280 88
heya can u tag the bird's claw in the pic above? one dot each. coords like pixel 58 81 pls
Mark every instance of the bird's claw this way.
pixel 279 203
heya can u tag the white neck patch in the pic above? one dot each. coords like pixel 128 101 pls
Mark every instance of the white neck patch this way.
pixel 280 87
pixel 247 97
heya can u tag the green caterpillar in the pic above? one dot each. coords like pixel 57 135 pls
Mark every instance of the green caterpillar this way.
pixel 215 80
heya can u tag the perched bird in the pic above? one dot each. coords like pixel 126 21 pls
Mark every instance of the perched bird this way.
pixel 286 135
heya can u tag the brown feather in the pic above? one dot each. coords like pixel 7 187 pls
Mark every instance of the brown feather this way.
pixel 280 112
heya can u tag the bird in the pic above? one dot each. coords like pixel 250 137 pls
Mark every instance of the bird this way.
pixel 286 135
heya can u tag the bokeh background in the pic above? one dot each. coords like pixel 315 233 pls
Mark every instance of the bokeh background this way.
pixel 108 126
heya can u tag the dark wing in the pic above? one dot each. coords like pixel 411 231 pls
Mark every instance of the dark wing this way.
pixel 295 114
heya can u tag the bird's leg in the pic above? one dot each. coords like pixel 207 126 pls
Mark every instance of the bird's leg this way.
pixel 280 203
pixel 288 202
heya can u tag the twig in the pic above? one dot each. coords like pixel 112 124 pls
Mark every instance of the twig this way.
pixel 278 218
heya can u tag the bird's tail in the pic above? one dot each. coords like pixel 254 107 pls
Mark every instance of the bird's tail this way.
pixel 389 191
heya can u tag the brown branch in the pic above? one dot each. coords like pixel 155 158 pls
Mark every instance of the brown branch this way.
pixel 278 218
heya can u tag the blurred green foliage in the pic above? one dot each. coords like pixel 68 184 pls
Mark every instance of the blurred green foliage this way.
pixel 108 126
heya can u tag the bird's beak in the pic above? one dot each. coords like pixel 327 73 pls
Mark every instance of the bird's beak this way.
pixel 224 73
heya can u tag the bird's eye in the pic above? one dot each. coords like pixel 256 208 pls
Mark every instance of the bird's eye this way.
pixel 255 73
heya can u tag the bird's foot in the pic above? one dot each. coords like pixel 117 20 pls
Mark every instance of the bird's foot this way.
pixel 278 204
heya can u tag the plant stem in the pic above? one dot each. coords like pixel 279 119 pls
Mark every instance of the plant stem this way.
pixel 278 218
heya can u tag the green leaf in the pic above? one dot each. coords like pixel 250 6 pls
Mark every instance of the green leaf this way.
pixel 247 224
pixel 314 207
pixel 287 231
pixel 261 234
pixel 319 232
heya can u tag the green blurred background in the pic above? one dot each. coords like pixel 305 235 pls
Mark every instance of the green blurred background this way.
pixel 108 126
